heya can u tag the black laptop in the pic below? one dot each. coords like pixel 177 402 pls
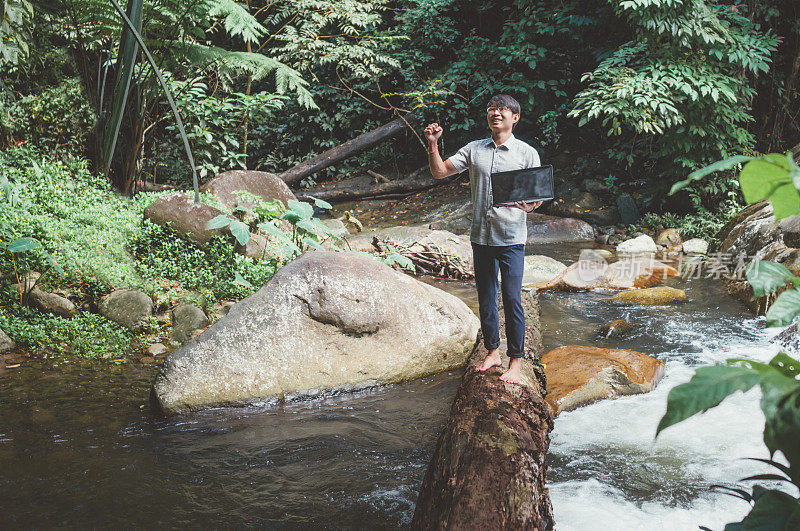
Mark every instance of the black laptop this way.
pixel 530 184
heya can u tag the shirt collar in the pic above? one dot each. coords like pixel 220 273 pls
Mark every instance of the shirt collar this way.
pixel 505 144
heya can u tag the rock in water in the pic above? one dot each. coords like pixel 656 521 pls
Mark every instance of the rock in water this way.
pixel 657 295
pixel 639 245
pixel 579 375
pixel 326 321
pixel 695 246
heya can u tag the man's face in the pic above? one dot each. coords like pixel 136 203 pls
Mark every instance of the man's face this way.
pixel 500 118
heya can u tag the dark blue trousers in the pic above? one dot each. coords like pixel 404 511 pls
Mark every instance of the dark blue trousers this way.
pixel 510 260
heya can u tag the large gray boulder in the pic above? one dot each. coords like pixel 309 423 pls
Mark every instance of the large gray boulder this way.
pixel 326 321
pixel 267 186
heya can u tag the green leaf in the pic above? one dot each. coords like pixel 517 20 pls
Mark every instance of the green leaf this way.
pixel 307 225
pixel 785 307
pixel 239 279
pixel 218 222
pixel 272 229
pixel 786 365
pixel 304 210
pixel 291 216
pixel 721 165
pixel 321 203
pixel 766 277
pixel 54 264
pixel 312 243
pixel 708 387
pixel 240 231
pixel 772 510
pixel 403 261
pixel 23 244
pixel 770 177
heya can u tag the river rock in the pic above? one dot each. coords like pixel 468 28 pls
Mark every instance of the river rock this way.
pixel 636 272
pixel 267 186
pixel 581 275
pixel 254 248
pixel 753 234
pixel 671 239
pixel 325 322
pixel 126 307
pixel 596 273
pixel 639 245
pixel 156 349
pixel 551 229
pixel 616 328
pixel 455 217
pixel 695 246
pixel 184 216
pixel 579 375
pixel 5 342
pixel 51 303
pixel 657 295
pixel 540 269
pixel 789 340
pixel 186 318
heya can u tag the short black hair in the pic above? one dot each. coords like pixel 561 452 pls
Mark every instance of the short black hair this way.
pixel 504 99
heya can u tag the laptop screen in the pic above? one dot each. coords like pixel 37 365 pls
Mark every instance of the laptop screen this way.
pixel 530 184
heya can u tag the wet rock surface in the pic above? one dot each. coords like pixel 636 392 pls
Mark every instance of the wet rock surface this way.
pixel 361 322
pixel 579 375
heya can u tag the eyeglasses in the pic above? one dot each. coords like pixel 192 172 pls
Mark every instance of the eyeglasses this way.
pixel 499 108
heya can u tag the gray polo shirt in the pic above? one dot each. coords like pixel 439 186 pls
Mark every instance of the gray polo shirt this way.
pixel 494 225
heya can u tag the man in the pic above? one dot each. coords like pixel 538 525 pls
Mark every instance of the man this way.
pixel 498 234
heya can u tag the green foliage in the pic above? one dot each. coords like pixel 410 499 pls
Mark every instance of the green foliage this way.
pixel 176 266
pixel 15 18
pixel 75 215
pixel 215 125
pixel 55 119
pixel 704 223
pixel 678 81
pixel 86 334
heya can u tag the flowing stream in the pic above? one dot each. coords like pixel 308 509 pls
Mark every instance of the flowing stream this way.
pixel 79 446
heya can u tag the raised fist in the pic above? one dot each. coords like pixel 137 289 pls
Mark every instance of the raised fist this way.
pixel 432 133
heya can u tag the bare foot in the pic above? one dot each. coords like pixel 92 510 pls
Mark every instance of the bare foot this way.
pixel 512 375
pixel 491 360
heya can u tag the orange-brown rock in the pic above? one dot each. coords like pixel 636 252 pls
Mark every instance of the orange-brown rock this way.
pixel 579 375
pixel 657 295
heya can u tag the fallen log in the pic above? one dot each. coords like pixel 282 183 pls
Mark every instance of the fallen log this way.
pixel 399 187
pixel 488 470
pixel 349 149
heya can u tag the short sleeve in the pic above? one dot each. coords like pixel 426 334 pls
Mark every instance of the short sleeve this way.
pixel 461 159
pixel 535 160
